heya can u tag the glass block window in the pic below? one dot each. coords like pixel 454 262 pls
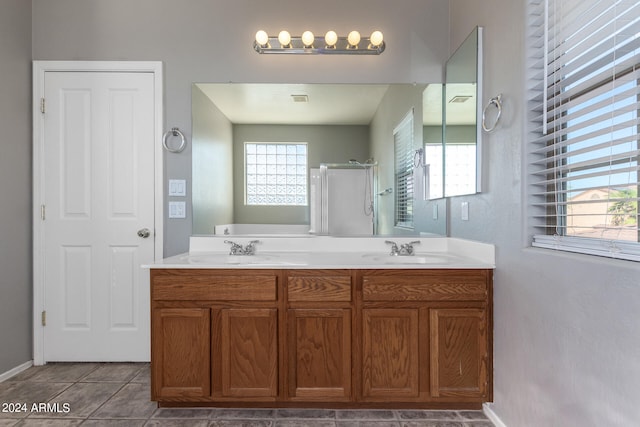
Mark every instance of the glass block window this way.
pixel 276 174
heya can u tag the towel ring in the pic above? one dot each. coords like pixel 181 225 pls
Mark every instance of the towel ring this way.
pixel 174 132
pixel 497 101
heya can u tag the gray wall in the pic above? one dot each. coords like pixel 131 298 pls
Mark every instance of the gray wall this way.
pixel 211 41
pixel 212 151
pixel 15 193
pixel 566 334
pixel 325 144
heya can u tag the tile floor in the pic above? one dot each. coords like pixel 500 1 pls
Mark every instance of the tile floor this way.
pixel 117 394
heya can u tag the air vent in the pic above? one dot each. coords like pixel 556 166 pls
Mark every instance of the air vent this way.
pixel 459 99
pixel 300 98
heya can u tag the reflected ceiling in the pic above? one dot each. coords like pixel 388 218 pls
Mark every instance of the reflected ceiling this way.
pixel 335 104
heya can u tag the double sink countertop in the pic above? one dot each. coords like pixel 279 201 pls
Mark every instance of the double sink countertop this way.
pixel 329 252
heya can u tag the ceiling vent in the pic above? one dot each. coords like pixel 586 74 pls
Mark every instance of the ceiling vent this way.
pixel 459 99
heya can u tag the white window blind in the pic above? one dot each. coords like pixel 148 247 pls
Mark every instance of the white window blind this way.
pixel 276 174
pixel 584 98
pixel 403 148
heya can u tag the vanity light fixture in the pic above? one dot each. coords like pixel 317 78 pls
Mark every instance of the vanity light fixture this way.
pixel 308 43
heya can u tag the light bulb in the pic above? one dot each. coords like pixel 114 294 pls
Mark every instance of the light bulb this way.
pixel 284 38
pixel 376 38
pixel 262 38
pixel 331 38
pixel 353 38
pixel 308 38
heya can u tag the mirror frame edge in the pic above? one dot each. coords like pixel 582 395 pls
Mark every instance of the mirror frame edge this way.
pixel 479 107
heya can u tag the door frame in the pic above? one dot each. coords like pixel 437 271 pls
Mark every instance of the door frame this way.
pixel 39 70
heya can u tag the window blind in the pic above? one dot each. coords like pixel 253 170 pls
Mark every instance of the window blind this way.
pixel 403 148
pixel 584 98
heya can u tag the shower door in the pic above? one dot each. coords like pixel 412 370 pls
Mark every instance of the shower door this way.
pixel 342 200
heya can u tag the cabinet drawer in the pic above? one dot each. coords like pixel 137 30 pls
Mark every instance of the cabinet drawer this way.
pixel 319 288
pixel 435 286
pixel 237 287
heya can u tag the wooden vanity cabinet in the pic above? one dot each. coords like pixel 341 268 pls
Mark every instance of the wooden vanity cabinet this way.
pixel 214 335
pixel 180 353
pixel 346 338
pixel 425 335
pixel 319 330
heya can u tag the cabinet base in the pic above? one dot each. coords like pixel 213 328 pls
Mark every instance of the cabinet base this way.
pixel 326 405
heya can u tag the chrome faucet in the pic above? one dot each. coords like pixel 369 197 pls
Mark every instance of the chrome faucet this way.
pixel 250 249
pixel 394 247
pixel 237 249
pixel 405 249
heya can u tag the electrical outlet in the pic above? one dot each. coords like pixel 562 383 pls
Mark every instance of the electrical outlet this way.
pixel 177 210
pixel 464 209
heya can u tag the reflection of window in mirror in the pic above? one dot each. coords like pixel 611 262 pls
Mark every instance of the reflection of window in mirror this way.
pixel 403 148
pixel 275 174
pixel 460 164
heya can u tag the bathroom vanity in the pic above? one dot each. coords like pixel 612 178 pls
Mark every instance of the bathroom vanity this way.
pixel 323 322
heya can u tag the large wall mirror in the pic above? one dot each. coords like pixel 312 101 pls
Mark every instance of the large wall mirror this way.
pixel 265 155
pixel 347 129
pixel 462 105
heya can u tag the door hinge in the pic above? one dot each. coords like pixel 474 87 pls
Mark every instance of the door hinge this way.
pixel 43 318
pixel 42 212
pixel 42 109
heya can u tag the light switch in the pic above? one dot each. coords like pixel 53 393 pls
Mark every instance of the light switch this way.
pixel 435 212
pixel 464 208
pixel 177 187
pixel 177 210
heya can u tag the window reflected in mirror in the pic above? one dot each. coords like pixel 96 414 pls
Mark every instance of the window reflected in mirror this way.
pixel 462 135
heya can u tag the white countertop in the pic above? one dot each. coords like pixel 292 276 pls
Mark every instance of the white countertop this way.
pixel 328 252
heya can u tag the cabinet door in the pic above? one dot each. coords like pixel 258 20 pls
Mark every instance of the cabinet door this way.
pixel 249 352
pixel 319 360
pixel 181 353
pixel 390 353
pixel 458 341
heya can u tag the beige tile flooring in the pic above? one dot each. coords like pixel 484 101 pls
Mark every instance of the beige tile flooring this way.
pixel 117 394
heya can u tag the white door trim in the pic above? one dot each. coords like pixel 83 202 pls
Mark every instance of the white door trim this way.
pixel 39 70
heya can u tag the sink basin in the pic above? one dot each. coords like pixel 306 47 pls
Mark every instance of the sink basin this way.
pixel 409 260
pixel 218 259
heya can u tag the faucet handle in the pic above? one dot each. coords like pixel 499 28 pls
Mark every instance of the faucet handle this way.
pixel 394 247
pixel 235 248
pixel 250 249
pixel 407 248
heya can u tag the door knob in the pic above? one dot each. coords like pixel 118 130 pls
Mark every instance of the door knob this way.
pixel 144 233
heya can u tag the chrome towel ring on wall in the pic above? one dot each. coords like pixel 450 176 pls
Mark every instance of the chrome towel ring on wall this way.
pixel 174 132
pixel 497 101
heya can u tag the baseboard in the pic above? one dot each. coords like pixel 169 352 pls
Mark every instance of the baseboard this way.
pixel 15 371
pixel 488 411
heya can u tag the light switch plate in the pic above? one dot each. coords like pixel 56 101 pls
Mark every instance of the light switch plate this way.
pixel 177 187
pixel 435 212
pixel 464 208
pixel 177 210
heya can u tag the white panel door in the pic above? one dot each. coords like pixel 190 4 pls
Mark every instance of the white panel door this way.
pixel 98 162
